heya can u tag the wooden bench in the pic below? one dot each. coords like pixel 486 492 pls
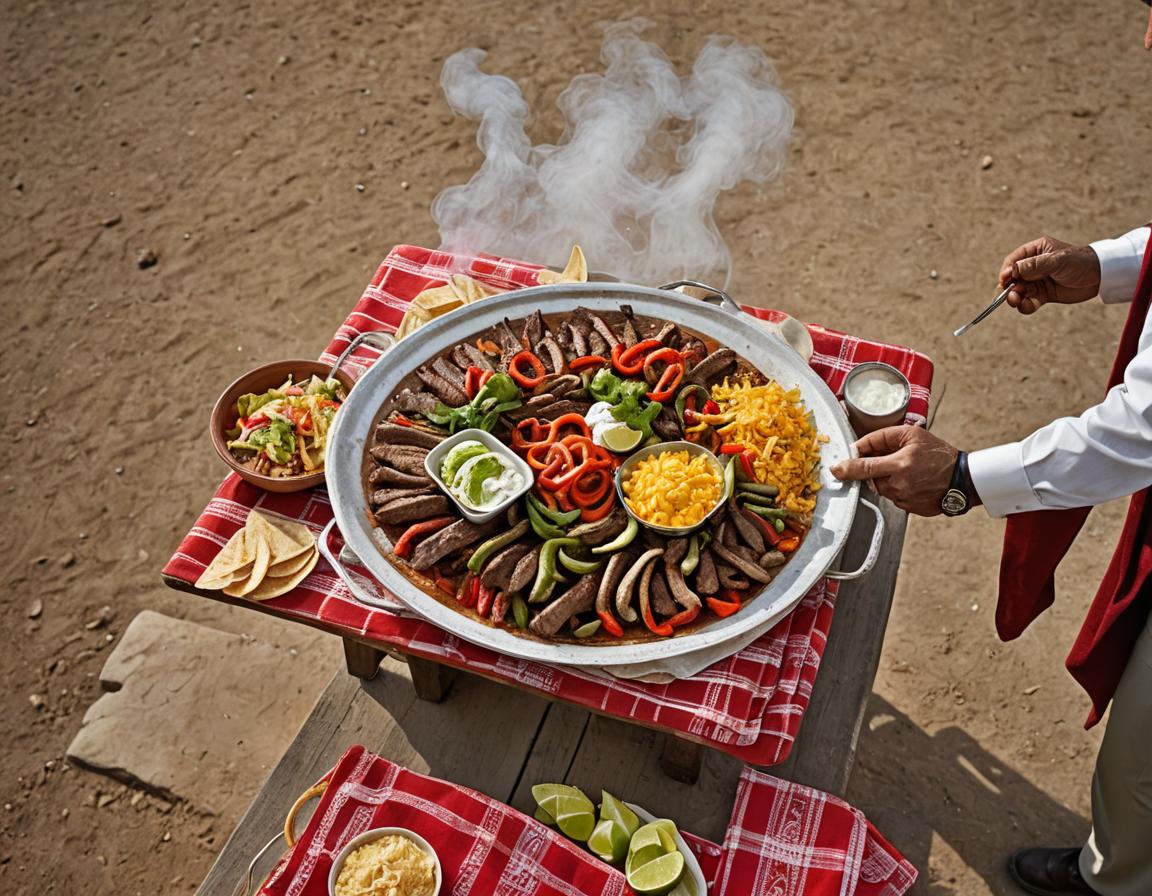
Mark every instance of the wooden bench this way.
pixel 501 740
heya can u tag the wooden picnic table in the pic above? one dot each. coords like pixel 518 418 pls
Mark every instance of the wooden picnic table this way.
pixel 501 740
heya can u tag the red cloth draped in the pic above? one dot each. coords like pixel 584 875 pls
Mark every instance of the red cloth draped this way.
pixel 1036 542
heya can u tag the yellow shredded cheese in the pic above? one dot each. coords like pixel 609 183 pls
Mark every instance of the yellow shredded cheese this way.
pixel 673 488
pixel 773 422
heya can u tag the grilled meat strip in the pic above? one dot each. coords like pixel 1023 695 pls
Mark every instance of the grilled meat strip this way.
pixel 449 371
pixel 580 598
pixel 730 578
pixel 395 434
pixel 624 589
pixel 579 340
pixel 458 535
pixel 665 427
pixel 716 365
pixel 661 597
pixel 385 496
pixel 525 570
pixel 745 528
pixel 405 458
pixel 601 326
pixel 751 569
pixel 631 333
pixel 498 571
pixel 562 385
pixel 564 406
pixel 706 580
pixel 603 530
pixel 597 345
pixel 410 402
pixel 412 509
pixel 533 329
pixel 549 351
pixel 618 564
pixel 451 394
pixel 387 476
pixel 466 355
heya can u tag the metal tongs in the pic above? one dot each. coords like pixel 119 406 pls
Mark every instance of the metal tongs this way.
pixel 996 303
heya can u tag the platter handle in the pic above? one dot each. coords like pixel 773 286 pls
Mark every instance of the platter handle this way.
pixel 359 592
pixel 718 297
pixel 873 549
pixel 289 832
pixel 378 340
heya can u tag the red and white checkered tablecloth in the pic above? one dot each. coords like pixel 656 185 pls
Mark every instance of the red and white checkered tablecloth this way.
pixel 750 704
pixel 783 839
pixel 790 840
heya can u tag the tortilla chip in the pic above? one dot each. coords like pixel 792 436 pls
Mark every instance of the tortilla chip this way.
pixel 274 586
pixel 414 318
pixel 233 563
pixel 287 539
pixel 576 271
pixel 290 567
pixel 469 290
pixel 439 298
pixel 259 567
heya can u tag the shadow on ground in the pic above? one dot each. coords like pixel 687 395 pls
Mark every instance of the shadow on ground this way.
pixel 915 786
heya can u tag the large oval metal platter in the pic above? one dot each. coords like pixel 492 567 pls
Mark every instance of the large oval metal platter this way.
pixel 835 505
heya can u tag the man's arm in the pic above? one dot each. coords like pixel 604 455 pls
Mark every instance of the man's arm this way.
pixel 1120 261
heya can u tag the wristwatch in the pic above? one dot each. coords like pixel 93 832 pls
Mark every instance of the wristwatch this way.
pixel 961 495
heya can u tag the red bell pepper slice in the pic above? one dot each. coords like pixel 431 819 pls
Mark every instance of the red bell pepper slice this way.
pixel 722 608
pixel 586 361
pixel 746 458
pixel 683 617
pixel 731 448
pixel 524 380
pixel 630 361
pixel 711 407
pixel 766 528
pixel 484 598
pixel 663 629
pixel 665 388
pixel 403 546
pixel 610 624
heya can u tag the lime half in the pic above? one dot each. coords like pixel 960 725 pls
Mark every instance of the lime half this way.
pixel 658 876
pixel 621 438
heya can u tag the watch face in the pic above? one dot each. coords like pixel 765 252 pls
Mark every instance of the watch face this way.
pixel 954 502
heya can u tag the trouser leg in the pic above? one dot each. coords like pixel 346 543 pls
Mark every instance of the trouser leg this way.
pixel 1117 860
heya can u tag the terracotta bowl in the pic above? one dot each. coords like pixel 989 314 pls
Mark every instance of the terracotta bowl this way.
pixel 269 376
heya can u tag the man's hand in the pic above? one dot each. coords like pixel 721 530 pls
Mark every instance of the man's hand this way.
pixel 908 465
pixel 1047 270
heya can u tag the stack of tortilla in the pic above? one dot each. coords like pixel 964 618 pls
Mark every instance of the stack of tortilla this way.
pixel 268 557
pixel 462 290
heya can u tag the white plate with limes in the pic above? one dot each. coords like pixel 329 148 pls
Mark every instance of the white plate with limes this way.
pixel 692 883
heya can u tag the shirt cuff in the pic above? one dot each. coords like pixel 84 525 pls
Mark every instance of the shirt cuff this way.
pixel 999 479
pixel 1120 262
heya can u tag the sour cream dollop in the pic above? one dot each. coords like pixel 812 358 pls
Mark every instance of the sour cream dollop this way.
pixel 599 419
pixel 486 481
pixel 875 393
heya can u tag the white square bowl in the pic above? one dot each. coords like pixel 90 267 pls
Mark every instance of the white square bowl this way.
pixel 435 458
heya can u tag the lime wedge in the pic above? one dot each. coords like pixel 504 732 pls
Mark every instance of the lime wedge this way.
pixel 640 857
pixel 658 876
pixel 615 810
pixel 621 438
pixel 609 841
pixel 544 818
pixel 650 835
pixel 455 458
pixel 574 813
pixel 668 832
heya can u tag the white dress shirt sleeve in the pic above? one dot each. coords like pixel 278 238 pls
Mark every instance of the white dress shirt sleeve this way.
pixel 1120 261
pixel 1104 453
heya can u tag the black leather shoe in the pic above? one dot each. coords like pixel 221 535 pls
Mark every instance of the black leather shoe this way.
pixel 1049 872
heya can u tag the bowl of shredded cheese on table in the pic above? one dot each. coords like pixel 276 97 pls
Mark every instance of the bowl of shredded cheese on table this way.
pixel 386 862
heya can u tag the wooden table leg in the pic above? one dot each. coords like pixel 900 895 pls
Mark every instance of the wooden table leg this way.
pixel 362 661
pixel 681 759
pixel 430 679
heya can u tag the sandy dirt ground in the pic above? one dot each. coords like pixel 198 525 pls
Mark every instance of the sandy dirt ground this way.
pixel 229 141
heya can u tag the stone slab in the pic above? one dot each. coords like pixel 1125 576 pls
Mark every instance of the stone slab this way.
pixel 195 714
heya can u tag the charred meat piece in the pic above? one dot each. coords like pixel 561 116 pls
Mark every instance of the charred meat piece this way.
pixel 388 495
pixel 580 598
pixel 498 571
pixel 525 570
pixel 509 342
pixel 565 406
pixel 601 326
pixel 772 559
pixel 395 434
pixel 706 579
pixel 667 427
pixel 631 576
pixel 676 551
pixel 734 559
pixel 563 384
pixel 458 535
pixel 466 355
pixel 532 407
pixel 578 339
pixel 405 458
pixel 449 371
pixel 603 530
pixel 681 593
pixel 631 333
pixel 410 402
pixel 533 329
pixel 549 351
pixel 448 392
pixel 606 594
pixel 412 509
pixel 597 344
pixel 693 346
pixel 748 531
pixel 669 335
pixel 719 363
pixel 387 476
pixel 661 597
pixel 730 578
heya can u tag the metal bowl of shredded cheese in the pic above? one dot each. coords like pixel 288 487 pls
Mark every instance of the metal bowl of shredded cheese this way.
pixel 386 862
pixel 672 487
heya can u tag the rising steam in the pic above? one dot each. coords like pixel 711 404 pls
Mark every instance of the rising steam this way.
pixel 634 179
